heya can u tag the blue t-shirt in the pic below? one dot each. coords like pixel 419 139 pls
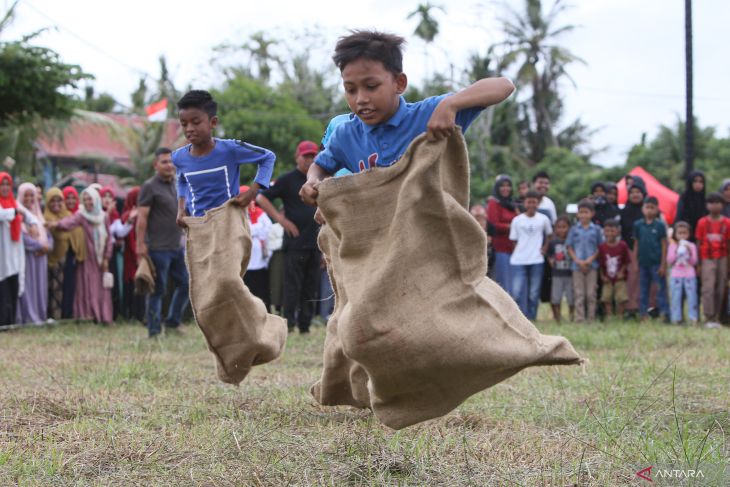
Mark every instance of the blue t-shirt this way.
pixel 584 242
pixel 355 146
pixel 209 181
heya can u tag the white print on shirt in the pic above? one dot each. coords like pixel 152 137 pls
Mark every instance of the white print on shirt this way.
pixel 612 263
pixel 187 175
pixel 372 162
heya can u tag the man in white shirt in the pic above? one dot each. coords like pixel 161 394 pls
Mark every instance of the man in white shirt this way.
pixel 531 231
pixel 541 184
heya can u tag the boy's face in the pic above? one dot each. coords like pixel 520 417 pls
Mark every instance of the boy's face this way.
pixel 715 208
pixel 599 193
pixel 522 189
pixel 611 233
pixel 561 229
pixel 649 210
pixel 585 215
pixel 197 125
pixel 612 196
pixel 372 92
pixel 531 205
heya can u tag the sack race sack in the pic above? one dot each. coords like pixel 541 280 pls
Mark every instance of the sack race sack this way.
pixel 417 327
pixel 144 277
pixel 236 324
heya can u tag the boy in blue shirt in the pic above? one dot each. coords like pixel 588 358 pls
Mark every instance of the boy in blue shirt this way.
pixel 583 241
pixel 650 251
pixel 207 168
pixel 371 65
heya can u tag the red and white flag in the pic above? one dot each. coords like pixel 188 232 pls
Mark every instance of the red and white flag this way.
pixel 157 112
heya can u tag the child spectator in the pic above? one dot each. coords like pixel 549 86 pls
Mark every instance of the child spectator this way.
pixel 614 257
pixel 605 209
pixel 207 168
pixel 531 231
pixel 630 214
pixel 713 238
pixel 583 241
pixel 682 256
pixel 257 272
pixel 560 262
pixel 650 251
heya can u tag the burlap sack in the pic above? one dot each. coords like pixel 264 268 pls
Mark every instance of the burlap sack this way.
pixel 144 277
pixel 236 325
pixel 417 326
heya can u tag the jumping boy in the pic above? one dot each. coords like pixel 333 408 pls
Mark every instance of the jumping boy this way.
pixel 371 65
pixel 207 168
pixel 583 241
pixel 650 251
pixel 713 239
pixel 614 257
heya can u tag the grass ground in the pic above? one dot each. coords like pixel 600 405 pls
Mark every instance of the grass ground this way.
pixel 86 405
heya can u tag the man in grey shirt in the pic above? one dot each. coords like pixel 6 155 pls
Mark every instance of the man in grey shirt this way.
pixel 159 237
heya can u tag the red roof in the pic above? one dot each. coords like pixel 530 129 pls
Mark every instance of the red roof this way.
pixel 86 139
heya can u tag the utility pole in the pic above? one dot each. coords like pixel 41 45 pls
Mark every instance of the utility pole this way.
pixel 689 126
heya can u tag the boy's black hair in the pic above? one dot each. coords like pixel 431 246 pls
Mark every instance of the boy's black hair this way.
pixel 162 150
pixel 533 194
pixel 562 218
pixel 200 99
pixel 373 45
pixel 715 198
pixel 612 224
pixel 682 224
pixel 651 200
pixel 540 174
pixel 596 185
pixel 586 203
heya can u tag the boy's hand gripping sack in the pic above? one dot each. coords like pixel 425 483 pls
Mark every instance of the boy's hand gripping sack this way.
pixel 417 327
pixel 237 326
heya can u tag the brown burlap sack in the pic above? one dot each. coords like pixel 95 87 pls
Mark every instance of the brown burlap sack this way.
pixel 236 325
pixel 417 327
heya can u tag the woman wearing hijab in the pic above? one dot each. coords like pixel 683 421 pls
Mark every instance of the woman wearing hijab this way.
pixel 92 300
pixel 133 305
pixel 501 210
pixel 33 304
pixel 725 192
pixel 71 199
pixel 116 263
pixel 630 214
pixel 12 252
pixel 69 249
pixel 692 205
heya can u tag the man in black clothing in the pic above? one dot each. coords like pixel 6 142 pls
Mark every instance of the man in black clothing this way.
pixel 301 254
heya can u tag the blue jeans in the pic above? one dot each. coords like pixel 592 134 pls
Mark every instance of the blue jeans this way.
pixel 647 275
pixel 689 285
pixel 503 271
pixel 172 263
pixel 526 282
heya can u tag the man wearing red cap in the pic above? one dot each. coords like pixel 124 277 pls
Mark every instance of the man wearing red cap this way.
pixel 301 254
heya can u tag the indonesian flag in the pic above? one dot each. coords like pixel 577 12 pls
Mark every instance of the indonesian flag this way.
pixel 157 112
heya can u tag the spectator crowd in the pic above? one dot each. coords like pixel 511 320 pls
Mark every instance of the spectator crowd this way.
pixel 71 255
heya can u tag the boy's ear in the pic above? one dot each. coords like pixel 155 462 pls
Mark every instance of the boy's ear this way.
pixel 401 83
pixel 214 121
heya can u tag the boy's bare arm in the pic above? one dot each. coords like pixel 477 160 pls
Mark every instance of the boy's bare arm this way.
pixel 483 93
pixel 663 265
pixel 181 213
pixel 310 192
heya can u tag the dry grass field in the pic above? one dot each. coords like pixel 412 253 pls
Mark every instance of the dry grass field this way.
pixel 87 405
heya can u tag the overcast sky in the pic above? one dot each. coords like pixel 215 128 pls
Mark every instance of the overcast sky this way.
pixel 632 82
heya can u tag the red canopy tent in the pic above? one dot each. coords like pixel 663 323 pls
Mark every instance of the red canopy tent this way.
pixel 667 198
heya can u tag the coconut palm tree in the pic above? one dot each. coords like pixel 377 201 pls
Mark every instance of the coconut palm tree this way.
pixel 531 44
pixel 427 28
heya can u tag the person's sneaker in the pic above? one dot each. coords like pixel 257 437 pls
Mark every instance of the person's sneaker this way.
pixel 174 331
pixel 713 325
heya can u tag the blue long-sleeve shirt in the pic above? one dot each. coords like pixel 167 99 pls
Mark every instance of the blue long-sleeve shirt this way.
pixel 208 181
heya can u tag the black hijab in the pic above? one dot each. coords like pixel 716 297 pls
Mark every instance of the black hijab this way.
pixel 692 204
pixel 632 212
pixel 507 203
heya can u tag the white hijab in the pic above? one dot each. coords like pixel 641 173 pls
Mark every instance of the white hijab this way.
pixel 96 219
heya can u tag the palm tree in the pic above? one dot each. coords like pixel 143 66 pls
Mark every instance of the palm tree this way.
pixel 259 50
pixel 427 28
pixel 531 44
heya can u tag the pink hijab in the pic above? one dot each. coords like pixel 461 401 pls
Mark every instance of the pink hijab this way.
pixel 35 209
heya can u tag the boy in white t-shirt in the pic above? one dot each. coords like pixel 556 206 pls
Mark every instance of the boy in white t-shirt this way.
pixel 531 231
